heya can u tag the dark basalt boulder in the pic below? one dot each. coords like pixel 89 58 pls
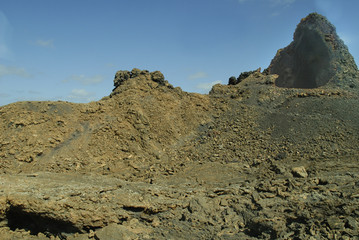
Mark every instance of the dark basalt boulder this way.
pixel 316 57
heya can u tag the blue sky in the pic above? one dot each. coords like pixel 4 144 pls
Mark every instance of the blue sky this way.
pixel 70 50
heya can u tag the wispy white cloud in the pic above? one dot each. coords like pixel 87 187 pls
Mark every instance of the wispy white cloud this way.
pixel 4 95
pixel 111 65
pixel 83 79
pixel 274 14
pixel 278 6
pixel 207 86
pixel 283 2
pixel 32 92
pixel 272 2
pixel 346 38
pixel 349 39
pixel 5 34
pixel 14 71
pixel 45 43
pixel 81 95
pixel 197 75
pixel 4 50
pixel 333 10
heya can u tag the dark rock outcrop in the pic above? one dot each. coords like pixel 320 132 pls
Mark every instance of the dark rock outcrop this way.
pixel 233 80
pixel 124 75
pixel 316 57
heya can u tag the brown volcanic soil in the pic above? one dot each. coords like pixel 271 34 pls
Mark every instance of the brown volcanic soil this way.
pixel 247 161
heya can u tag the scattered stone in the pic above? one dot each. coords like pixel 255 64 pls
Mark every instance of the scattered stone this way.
pixel 335 222
pixel 352 223
pixel 299 172
pixel 114 231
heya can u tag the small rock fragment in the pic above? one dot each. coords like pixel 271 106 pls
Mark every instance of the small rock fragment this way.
pixel 352 223
pixel 335 223
pixel 299 172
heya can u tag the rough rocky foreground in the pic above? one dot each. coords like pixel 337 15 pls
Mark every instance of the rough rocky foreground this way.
pixel 250 160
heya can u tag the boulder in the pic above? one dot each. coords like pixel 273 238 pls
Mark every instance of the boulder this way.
pixel 300 172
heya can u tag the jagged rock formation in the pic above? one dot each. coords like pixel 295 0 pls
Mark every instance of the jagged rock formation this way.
pixel 233 80
pixel 122 76
pixel 316 57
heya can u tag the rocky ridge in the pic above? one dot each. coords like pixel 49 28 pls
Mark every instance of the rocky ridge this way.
pixel 250 160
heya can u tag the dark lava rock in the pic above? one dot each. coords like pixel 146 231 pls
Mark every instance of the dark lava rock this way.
pixel 316 57
pixel 120 77
pixel 157 76
pixel 124 75
pixel 232 80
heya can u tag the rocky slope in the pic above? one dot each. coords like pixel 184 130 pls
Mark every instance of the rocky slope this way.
pixel 250 160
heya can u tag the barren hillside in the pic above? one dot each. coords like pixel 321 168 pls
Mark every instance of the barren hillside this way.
pixel 259 158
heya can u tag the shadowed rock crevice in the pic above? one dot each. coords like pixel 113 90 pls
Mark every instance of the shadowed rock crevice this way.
pixel 310 63
pixel 35 223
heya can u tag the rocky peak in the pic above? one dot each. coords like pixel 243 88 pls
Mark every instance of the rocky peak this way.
pixel 137 77
pixel 316 57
